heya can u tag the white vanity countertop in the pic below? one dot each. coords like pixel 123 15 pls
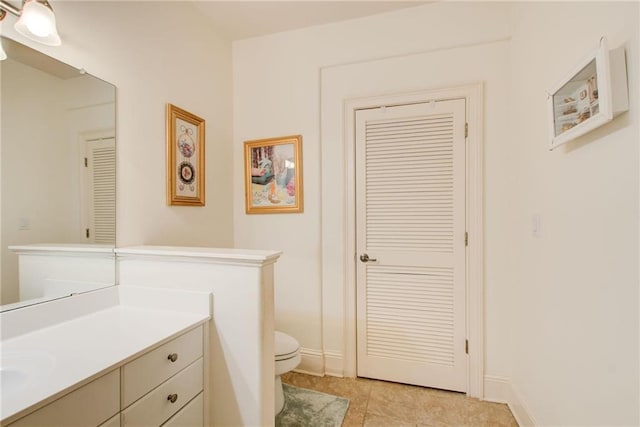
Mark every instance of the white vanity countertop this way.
pixel 211 254
pixel 63 247
pixel 78 350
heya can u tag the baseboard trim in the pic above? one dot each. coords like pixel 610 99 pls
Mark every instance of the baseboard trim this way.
pixel 519 409
pixel 315 362
pixel 333 364
pixel 497 389
pixel 500 390
pixel 312 362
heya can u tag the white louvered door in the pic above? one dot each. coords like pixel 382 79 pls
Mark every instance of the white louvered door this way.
pixel 410 207
pixel 101 190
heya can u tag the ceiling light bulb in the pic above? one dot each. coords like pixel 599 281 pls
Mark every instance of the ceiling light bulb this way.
pixel 37 22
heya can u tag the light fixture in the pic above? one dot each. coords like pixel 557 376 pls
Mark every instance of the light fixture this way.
pixel 36 21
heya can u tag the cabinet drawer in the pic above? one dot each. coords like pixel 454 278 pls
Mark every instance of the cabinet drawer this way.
pixel 90 405
pixel 151 369
pixel 155 408
pixel 191 415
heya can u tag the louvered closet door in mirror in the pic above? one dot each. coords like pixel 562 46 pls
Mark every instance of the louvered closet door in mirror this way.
pixel 410 207
pixel 100 170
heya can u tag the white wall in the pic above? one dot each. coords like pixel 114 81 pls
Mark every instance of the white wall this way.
pixel 575 307
pixel 155 53
pixel 278 84
pixel 561 310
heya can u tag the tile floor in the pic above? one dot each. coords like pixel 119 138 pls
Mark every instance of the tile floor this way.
pixel 375 403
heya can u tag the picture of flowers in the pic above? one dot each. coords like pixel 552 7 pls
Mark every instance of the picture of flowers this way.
pixel 273 175
pixel 185 157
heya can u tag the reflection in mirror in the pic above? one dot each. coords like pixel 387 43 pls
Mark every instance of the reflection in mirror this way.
pixel 57 169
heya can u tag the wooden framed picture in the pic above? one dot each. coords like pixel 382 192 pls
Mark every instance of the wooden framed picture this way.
pixel 273 175
pixel 185 158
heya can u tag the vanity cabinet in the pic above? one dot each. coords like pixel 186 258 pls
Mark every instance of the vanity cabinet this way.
pixel 163 386
pixel 89 405
pixel 155 367
pixel 158 384
pixel 112 422
pixel 191 415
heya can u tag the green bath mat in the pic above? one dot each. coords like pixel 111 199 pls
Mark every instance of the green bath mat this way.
pixel 310 408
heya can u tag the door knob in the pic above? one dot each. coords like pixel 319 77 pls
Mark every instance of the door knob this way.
pixel 365 258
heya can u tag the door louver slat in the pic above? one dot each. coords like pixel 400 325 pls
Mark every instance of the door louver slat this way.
pixel 411 160
pixel 412 301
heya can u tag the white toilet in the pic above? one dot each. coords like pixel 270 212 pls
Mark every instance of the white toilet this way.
pixel 287 355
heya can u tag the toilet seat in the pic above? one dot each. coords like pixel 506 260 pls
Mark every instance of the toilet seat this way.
pixel 282 358
pixel 286 347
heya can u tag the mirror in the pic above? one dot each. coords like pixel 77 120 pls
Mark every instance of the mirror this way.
pixel 57 175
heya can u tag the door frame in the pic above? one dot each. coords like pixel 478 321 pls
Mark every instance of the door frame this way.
pixel 474 286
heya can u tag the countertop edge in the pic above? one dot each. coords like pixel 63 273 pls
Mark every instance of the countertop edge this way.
pixel 214 255
pixel 70 389
pixel 127 346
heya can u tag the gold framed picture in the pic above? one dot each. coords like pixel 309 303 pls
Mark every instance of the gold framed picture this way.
pixel 185 158
pixel 273 175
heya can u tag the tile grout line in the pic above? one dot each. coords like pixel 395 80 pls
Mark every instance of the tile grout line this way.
pixel 366 408
pixel 448 399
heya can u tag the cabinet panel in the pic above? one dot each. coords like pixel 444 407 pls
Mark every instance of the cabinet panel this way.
pixel 112 422
pixel 157 406
pixel 151 369
pixel 190 416
pixel 90 405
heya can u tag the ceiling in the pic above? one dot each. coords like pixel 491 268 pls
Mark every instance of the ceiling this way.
pixel 236 20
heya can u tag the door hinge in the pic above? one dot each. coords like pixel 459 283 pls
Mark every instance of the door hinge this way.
pixel 466 130
pixel 466 346
pixel 466 238
pixel 86 232
pixel 86 162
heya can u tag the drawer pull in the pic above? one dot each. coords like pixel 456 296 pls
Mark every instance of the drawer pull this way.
pixel 172 397
pixel 173 357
